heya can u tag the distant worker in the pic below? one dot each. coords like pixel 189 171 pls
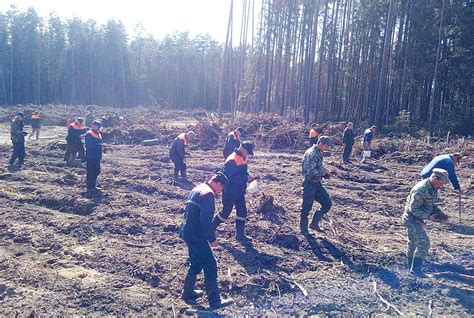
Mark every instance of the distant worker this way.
pixel 178 154
pixel 236 170
pixel 232 142
pixel 421 206
pixel 18 139
pixel 69 121
pixel 94 149
pixel 35 124
pixel 89 119
pixel 446 162
pixel 348 137
pixel 199 234
pixel 314 171
pixel 367 140
pixel 75 146
pixel 313 135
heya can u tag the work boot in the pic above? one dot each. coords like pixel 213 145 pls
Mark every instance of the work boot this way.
pixel 240 232
pixel 304 226
pixel 213 295
pixel 314 225
pixel 190 295
pixel 417 268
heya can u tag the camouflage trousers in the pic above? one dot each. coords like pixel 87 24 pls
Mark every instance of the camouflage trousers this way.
pixel 418 241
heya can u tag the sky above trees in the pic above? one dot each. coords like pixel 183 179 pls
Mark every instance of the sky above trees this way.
pixel 158 17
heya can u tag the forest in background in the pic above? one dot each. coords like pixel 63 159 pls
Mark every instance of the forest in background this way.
pixel 403 64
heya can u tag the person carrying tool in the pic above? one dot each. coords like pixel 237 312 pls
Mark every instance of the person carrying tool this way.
pixel 17 136
pixel 313 135
pixel 94 149
pixel 314 171
pixel 199 235
pixel 35 124
pixel 75 147
pixel 236 170
pixel 348 137
pixel 178 155
pixel 446 162
pixel 367 141
pixel 232 142
pixel 420 206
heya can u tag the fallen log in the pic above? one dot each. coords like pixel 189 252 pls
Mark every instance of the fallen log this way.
pixel 150 142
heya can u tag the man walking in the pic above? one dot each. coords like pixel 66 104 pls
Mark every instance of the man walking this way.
pixel 348 137
pixel 421 206
pixel 94 148
pixel 75 147
pixel 17 136
pixel 199 234
pixel 178 155
pixel 232 142
pixel 35 124
pixel 236 170
pixel 446 162
pixel 314 171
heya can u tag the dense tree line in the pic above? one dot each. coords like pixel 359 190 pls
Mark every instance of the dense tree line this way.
pixel 369 61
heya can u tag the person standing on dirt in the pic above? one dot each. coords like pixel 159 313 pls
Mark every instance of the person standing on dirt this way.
pixel 348 137
pixel 235 168
pixel 18 139
pixel 446 162
pixel 199 234
pixel 35 124
pixel 421 206
pixel 75 147
pixel 314 171
pixel 94 149
pixel 313 135
pixel 178 154
pixel 232 142
pixel 367 140
pixel 89 119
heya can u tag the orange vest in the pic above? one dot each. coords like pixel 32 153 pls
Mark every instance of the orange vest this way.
pixel 313 133
pixel 235 135
pixel 35 116
pixel 239 161
pixel 76 126
pixel 184 138
pixel 94 134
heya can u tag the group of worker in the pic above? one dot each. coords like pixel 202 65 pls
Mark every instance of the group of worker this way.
pixel 200 220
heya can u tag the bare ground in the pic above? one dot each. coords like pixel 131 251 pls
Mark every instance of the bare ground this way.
pixel 120 254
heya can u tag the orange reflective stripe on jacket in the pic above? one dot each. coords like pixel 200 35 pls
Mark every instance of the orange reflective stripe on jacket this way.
pixel 313 133
pixel 234 135
pixel 239 161
pixel 184 138
pixel 94 134
pixel 35 116
pixel 76 126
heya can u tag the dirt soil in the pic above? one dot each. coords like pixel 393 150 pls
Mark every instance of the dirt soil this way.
pixel 120 253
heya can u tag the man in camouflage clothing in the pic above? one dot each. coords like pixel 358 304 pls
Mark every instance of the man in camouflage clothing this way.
pixel 314 171
pixel 18 139
pixel 421 206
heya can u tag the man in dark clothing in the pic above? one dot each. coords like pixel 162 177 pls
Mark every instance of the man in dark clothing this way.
pixel 199 234
pixel 35 124
pixel 18 139
pixel 94 147
pixel 177 154
pixel 446 162
pixel 75 147
pixel 235 168
pixel 314 171
pixel 348 137
pixel 232 142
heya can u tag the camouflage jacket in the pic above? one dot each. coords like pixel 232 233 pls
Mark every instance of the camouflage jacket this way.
pixel 420 203
pixel 312 167
pixel 16 131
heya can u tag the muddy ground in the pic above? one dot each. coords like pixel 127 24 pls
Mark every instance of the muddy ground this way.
pixel 120 254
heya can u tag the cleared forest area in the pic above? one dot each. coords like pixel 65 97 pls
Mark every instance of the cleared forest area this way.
pixel 120 253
